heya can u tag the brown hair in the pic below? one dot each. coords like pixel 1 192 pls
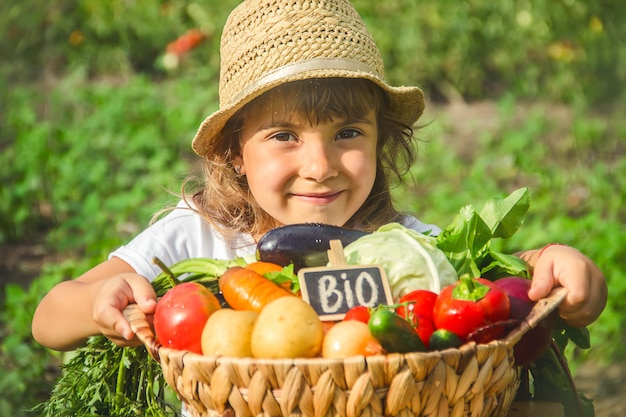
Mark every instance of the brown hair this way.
pixel 225 200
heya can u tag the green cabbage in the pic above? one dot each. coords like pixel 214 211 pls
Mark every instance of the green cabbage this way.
pixel 410 259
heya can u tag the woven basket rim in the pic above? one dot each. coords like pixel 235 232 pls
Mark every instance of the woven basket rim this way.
pixel 540 311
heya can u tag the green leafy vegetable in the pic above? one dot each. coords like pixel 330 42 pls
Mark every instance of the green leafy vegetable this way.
pixel 552 381
pixel 286 275
pixel 466 242
pixel 102 379
pixel 410 259
pixel 505 216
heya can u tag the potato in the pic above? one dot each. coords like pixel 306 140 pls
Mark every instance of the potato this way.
pixel 227 333
pixel 287 328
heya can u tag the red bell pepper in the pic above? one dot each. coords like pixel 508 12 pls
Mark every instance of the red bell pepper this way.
pixel 469 304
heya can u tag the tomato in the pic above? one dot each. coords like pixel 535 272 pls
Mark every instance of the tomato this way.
pixel 181 314
pixel 424 327
pixel 358 313
pixel 417 307
pixel 470 304
pixel 418 302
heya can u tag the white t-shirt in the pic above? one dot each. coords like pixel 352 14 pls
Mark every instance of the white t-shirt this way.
pixel 183 234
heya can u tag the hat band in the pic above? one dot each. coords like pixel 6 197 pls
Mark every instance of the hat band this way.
pixel 301 67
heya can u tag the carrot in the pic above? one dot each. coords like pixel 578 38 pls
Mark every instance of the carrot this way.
pixel 262 268
pixel 245 289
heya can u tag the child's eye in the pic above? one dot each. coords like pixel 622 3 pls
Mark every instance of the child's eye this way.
pixel 284 137
pixel 348 134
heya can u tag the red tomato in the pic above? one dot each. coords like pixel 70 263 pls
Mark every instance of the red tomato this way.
pixel 418 302
pixel 469 304
pixel 358 313
pixel 424 326
pixel 181 314
pixel 417 307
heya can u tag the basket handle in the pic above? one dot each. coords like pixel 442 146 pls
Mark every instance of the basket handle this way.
pixel 143 329
pixel 540 311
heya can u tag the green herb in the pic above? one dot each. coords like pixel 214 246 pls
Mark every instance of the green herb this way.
pixel 467 240
pixel 102 379
pixel 552 381
pixel 285 275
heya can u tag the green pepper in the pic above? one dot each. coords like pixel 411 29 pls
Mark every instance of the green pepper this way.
pixel 394 333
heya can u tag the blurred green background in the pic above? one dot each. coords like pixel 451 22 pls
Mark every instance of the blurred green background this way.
pixel 97 113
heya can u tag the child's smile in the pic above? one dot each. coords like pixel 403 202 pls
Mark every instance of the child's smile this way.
pixel 299 172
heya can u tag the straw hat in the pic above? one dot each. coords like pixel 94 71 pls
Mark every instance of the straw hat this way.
pixel 266 43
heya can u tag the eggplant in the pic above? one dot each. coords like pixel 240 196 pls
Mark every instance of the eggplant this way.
pixel 303 244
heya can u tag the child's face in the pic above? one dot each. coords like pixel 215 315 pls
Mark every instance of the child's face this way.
pixel 299 172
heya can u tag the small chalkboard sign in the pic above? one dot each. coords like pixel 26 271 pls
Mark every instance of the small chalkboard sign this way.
pixel 335 289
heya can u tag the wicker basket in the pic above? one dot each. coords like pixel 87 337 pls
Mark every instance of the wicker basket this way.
pixel 476 380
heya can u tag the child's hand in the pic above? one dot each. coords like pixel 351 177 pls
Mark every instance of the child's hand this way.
pixel 560 265
pixel 113 297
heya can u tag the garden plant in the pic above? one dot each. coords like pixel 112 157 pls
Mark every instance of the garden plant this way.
pixel 99 102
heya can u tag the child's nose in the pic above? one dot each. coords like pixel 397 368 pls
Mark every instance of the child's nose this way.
pixel 318 162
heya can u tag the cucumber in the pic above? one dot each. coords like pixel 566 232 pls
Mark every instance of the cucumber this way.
pixel 443 339
pixel 303 245
pixel 395 334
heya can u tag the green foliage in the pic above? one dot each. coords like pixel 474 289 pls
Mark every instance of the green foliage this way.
pixel 564 50
pixel 99 148
pixel 103 38
pixel 28 369
pixel 105 380
pixel 474 48
pixel 95 129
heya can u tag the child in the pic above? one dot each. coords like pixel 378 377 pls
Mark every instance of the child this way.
pixel 308 130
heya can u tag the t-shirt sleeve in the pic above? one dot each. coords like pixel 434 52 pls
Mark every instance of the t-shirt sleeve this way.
pixel 141 251
pixel 414 224
pixel 180 235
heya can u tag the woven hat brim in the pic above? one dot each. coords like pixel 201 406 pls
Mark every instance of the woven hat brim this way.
pixel 407 102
